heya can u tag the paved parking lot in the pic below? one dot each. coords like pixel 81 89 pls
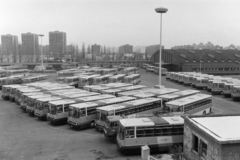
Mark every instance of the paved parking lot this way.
pixel 23 137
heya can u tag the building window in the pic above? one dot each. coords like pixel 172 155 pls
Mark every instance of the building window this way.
pixel 220 69
pixel 203 149
pixel 195 143
pixel 215 61
pixel 226 69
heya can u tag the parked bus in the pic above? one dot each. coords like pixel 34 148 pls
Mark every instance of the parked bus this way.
pixel 94 98
pixel 71 81
pixel 35 78
pixel 235 94
pixel 24 99
pixel 101 79
pixel 123 89
pixel 150 68
pixel 119 78
pixel 217 87
pixel 42 106
pixel 112 71
pixel 77 121
pixel 143 95
pixel 228 88
pixel 132 79
pixel 148 105
pixel 158 92
pixel 198 104
pixel 17 72
pixel 177 95
pixel 88 80
pixel 159 133
pixel 30 107
pixel 131 70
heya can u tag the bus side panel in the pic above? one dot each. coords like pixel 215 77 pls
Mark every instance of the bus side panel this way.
pixel 200 110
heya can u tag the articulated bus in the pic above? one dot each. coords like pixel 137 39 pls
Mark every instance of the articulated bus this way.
pixel 101 79
pixel 132 79
pixel 159 133
pixel 41 105
pixel 35 78
pixel 235 94
pixel 119 78
pixel 89 120
pixel 123 89
pixel 177 95
pixel 88 80
pixel 198 104
pixel 148 105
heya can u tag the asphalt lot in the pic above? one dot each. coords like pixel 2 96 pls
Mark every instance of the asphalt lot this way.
pixel 23 137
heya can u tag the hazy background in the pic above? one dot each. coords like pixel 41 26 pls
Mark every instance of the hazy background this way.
pixel 118 22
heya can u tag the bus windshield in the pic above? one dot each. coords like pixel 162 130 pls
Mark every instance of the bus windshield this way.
pixel 52 109
pixel 121 132
pixel 83 80
pixel 73 112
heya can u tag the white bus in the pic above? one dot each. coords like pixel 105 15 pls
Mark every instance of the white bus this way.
pixel 143 95
pixel 235 94
pixel 228 87
pixel 87 80
pixel 131 70
pixel 109 71
pixel 127 109
pixel 17 72
pixel 158 92
pixel 101 79
pixel 89 120
pixel 201 83
pixel 132 79
pixel 24 99
pixel 119 78
pixel 148 105
pixel 30 108
pixel 123 89
pixel 35 78
pixel 217 87
pixel 178 95
pixel 198 104
pixel 159 133
pixel 42 106
pixel 150 68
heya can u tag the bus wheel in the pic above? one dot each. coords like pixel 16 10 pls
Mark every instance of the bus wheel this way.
pixel 92 124
pixel 204 112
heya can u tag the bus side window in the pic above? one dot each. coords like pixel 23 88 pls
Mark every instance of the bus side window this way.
pixel 59 109
pixel 66 108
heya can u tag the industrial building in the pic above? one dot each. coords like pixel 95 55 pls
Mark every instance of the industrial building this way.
pixel 150 50
pixel 214 137
pixel 9 49
pixel 30 51
pixel 210 61
pixel 57 44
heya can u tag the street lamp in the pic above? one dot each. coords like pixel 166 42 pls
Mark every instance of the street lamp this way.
pixel 200 61
pixel 41 35
pixel 160 10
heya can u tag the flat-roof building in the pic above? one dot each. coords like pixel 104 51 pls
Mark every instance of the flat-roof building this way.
pixel 57 44
pixel 30 52
pixel 126 49
pixel 9 50
pixel 212 137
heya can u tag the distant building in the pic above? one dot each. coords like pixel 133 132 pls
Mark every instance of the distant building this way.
pixel 199 46
pixel 212 137
pixel 57 44
pixel 150 50
pixel 96 49
pixel 30 51
pixel 9 50
pixel 126 48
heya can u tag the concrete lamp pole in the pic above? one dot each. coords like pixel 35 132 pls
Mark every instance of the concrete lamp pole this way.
pixel 160 10
pixel 41 35
pixel 201 63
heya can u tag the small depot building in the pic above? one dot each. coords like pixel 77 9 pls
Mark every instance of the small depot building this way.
pixel 214 137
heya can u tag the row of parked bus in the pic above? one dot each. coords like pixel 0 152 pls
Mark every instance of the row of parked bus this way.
pixel 82 80
pixel 128 114
pixel 20 79
pixel 227 86
pixel 96 70
pixel 155 69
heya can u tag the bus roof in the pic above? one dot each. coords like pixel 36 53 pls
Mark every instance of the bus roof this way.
pixel 189 99
pixel 143 95
pixel 85 95
pixel 178 94
pixel 132 87
pixel 90 76
pixel 114 100
pixel 118 75
pixel 98 97
pixel 63 101
pixel 32 93
pixel 84 105
pixel 163 91
pixel 132 75
pixel 140 102
pixel 111 90
pixel 114 118
pixel 46 99
pixel 152 121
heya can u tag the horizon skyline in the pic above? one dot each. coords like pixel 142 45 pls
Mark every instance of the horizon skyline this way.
pixel 118 22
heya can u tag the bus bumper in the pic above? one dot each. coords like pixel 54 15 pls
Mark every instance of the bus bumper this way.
pixel 99 126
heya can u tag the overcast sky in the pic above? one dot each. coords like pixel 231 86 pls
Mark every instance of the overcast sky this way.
pixel 118 22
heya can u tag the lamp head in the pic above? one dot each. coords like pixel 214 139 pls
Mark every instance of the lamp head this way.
pixel 161 10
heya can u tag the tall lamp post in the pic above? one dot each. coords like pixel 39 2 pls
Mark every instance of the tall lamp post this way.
pixel 160 10
pixel 201 62
pixel 41 35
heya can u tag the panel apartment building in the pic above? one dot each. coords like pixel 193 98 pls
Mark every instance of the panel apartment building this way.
pixel 30 52
pixel 57 44
pixel 9 50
